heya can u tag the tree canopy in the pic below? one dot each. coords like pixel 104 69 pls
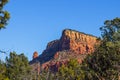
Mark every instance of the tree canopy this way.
pixel 111 30
pixel 4 15
pixel 103 64
pixel 18 67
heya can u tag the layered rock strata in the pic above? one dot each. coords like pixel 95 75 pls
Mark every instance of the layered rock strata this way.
pixel 72 44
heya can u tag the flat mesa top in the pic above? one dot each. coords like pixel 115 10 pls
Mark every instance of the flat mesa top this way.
pixel 65 30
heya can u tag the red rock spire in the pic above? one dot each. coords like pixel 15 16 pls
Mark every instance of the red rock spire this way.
pixel 35 54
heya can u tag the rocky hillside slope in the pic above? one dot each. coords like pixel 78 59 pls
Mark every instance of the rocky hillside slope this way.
pixel 72 44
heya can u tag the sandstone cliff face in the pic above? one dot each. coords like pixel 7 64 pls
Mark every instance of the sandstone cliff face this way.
pixel 72 44
pixel 76 41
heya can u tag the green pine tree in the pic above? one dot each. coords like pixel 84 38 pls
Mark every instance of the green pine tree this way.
pixel 18 67
pixel 4 15
pixel 104 63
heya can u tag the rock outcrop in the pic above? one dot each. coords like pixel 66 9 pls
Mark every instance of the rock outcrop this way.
pixel 72 44
pixel 78 42
pixel 35 55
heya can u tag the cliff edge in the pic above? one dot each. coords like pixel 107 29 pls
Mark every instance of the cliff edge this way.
pixel 72 44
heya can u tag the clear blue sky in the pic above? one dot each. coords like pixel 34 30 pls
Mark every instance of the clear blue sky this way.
pixel 34 23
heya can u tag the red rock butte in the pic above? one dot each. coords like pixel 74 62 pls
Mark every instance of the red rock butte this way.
pixel 78 42
pixel 72 44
